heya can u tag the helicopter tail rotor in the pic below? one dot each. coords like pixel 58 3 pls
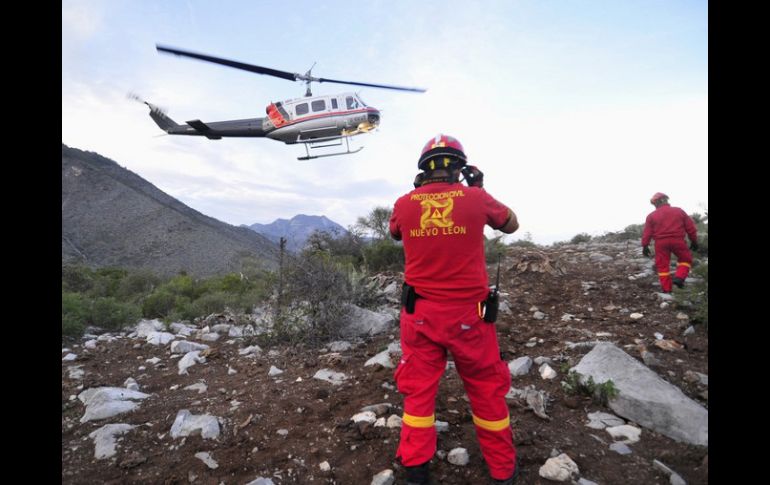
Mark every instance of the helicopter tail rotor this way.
pixel 157 114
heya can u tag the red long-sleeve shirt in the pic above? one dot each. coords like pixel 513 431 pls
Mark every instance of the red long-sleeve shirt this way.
pixel 668 222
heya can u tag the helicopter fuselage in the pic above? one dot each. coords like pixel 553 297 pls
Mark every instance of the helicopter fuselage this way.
pixel 301 120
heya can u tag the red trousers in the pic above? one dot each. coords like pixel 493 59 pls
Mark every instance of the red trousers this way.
pixel 663 250
pixel 426 335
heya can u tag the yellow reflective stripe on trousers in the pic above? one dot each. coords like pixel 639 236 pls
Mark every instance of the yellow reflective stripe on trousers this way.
pixel 663 274
pixel 492 425
pixel 419 421
pixel 685 264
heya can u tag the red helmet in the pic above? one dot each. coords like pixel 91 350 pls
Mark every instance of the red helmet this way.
pixel 442 151
pixel 658 196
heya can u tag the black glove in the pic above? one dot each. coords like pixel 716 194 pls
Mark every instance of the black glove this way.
pixel 694 245
pixel 646 251
pixel 418 179
pixel 473 176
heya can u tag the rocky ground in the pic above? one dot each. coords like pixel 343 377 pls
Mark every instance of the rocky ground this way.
pixel 291 427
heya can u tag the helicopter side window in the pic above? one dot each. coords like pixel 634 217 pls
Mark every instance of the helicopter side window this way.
pixel 352 102
pixel 318 105
pixel 301 109
pixel 334 103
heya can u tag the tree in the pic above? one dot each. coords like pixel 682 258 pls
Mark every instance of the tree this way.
pixel 377 222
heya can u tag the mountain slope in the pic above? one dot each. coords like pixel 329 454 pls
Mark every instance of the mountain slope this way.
pixel 113 217
pixel 297 229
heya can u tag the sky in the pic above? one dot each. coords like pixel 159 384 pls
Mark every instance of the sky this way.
pixel 576 111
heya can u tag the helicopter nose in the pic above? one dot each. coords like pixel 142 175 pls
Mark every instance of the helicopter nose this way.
pixel 374 117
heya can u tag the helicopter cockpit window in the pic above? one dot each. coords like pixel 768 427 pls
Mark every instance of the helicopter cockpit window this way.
pixel 352 102
pixel 318 105
pixel 301 109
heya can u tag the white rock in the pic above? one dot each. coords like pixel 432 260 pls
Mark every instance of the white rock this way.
pixel 153 361
pixel 252 350
pixel 520 366
pixel 567 317
pixel 324 466
pixel 385 477
pixel 187 424
pixel 210 337
pixel 69 358
pixel 339 346
pixel 221 328
pixel 664 305
pixel 394 421
pixel 620 448
pixel 546 372
pixel 231 371
pixel 261 481
pixel 205 457
pixel 130 383
pixel 184 347
pixel 538 315
pixel 458 456
pixel 106 402
pixel 630 433
pixel 635 316
pixel 189 360
pixel 75 372
pixel 274 371
pixel 283 432
pixel 159 338
pixel 682 316
pixel 104 439
pixel 441 426
pixel 383 359
pixel 198 386
pixel 600 420
pixel 380 423
pixel 366 416
pixel 689 330
pixel 90 344
pixel 328 375
pixel 559 469
pixel 658 336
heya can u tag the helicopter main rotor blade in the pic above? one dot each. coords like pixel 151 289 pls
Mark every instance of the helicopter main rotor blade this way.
pixel 226 62
pixel 384 86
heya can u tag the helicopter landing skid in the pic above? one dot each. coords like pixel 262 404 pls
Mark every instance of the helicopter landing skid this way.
pixel 347 152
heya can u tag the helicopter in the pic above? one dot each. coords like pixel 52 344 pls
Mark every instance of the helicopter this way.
pixel 315 121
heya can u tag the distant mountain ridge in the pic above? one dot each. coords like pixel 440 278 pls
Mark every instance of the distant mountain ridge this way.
pixel 297 229
pixel 113 217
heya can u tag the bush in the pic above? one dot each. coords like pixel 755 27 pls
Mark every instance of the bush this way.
pixel 159 304
pixel 136 285
pixel 384 255
pixel 494 249
pixel 583 237
pixel 74 314
pixel 600 393
pixel 113 315
pixel 76 278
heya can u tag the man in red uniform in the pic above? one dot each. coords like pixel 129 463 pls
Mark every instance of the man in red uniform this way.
pixel 667 226
pixel 441 223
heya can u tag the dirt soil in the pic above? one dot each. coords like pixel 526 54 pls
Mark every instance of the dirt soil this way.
pixel 599 295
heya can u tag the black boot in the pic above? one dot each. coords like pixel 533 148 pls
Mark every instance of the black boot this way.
pixel 678 282
pixel 509 481
pixel 418 475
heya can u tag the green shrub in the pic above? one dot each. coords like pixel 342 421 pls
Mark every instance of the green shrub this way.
pixel 574 383
pixel 76 278
pixel 384 255
pixel 74 314
pixel 113 315
pixel 209 303
pixel 494 249
pixel 159 304
pixel 583 237
pixel 136 285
